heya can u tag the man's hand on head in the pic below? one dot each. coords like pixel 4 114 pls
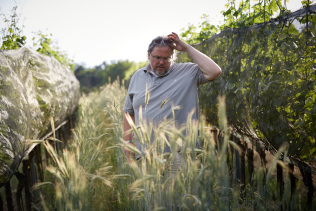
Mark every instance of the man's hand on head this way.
pixel 179 45
pixel 208 67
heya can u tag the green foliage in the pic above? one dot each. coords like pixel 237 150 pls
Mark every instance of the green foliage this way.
pixel 12 36
pixel 306 3
pixel 269 82
pixel 117 70
pixel 105 73
pixel 133 68
pixel 235 16
pixel 83 175
pixel 243 16
pixel 205 31
pixel 44 44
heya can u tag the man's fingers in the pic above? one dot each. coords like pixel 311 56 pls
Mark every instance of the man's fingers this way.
pixel 173 36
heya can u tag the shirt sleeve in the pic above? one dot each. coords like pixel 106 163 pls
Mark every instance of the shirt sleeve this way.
pixel 201 78
pixel 198 74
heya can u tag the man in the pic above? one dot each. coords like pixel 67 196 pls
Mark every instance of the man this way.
pixel 174 84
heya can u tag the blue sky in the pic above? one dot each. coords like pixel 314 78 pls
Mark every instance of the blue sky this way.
pixel 93 31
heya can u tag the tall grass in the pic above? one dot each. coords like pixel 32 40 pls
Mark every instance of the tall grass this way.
pixel 83 176
pixel 93 174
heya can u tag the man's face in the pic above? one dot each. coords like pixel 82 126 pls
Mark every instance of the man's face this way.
pixel 160 59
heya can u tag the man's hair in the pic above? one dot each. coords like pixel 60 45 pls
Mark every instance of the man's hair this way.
pixel 154 43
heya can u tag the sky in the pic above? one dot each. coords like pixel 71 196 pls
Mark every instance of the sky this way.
pixel 94 31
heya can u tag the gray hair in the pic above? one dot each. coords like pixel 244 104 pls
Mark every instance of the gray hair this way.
pixel 153 44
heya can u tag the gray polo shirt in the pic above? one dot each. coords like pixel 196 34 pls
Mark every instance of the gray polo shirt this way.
pixel 178 87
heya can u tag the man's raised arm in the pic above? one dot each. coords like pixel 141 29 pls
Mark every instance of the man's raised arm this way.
pixel 209 68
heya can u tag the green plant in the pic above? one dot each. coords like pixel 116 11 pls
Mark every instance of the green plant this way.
pixel 44 44
pixel 268 77
pixel 243 16
pixel 82 177
pixel 236 16
pixel 201 33
pixel 12 36
pixel 202 182
pixel 93 78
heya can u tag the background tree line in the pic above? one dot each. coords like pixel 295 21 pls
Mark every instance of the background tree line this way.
pixel 92 78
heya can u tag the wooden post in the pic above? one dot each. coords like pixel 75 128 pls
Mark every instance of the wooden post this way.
pixel 8 195
pixel 230 165
pixel 1 203
pixel 280 181
pixel 237 160
pixel 242 162
pixel 262 154
pixel 28 195
pixel 292 178
pixel 21 184
pixel 250 165
pixel 308 182
pixel 39 162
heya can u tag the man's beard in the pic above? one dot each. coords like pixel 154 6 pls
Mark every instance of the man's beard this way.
pixel 158 73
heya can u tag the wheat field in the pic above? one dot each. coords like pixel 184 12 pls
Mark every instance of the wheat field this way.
pixel 92 173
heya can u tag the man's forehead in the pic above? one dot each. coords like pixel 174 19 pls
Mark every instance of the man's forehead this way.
pixel 162 49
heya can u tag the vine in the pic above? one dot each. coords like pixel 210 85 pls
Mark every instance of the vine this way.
pixel 268 79
pixel 12 38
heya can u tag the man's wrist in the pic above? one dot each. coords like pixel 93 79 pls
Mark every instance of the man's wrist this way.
pixel 187 47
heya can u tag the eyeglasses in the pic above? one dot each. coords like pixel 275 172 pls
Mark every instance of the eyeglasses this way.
pixel 164 59
pixel 163 40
